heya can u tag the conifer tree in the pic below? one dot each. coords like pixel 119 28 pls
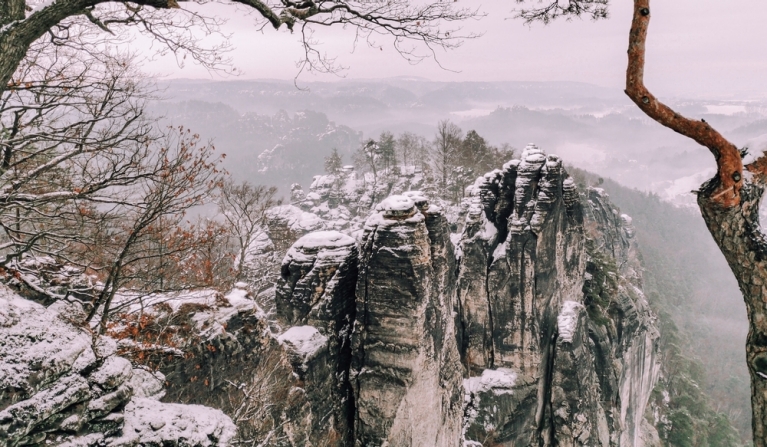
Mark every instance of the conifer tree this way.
pixel 386 148
pixel 333 163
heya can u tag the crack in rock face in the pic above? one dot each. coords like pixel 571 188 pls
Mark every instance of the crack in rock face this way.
pixel 484 336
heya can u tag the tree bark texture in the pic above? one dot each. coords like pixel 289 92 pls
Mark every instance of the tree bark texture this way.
pixel 729 203
pixel 737 232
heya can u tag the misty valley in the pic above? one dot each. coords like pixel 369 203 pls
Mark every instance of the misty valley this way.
pixel 385 262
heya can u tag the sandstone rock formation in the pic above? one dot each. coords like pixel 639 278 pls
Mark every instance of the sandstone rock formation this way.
pixel 583 371
pixel 525 316
pixel 319 274
pixel 406 371
pixel 517 320
pixel 61 386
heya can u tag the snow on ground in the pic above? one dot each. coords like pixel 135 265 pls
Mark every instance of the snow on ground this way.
pixel 567 320
pixel 211 317
pixel 152 423
pixel 34 335
pixel 52 365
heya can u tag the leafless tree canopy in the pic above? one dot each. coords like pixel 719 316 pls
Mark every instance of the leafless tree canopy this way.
pixel 546 10
pixel 243 207
pixel 415 29
pixel 89 181
pixel 70 133
pixel 445 147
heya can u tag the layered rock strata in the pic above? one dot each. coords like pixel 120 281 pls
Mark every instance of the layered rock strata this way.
pixel 509 317
pixel 61 386
pixel 318 275
pixel 406 370
pixel 526 327
pixel 582 371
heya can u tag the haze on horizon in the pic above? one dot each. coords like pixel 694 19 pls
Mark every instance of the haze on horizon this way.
pixel 698 48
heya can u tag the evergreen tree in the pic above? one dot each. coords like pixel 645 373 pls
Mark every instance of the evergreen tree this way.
pixel 333 163
pixel 386 148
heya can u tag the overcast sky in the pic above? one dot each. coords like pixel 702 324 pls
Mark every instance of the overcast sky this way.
pixel 709 48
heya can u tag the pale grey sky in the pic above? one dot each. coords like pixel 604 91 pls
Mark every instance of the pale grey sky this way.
pixel 709 48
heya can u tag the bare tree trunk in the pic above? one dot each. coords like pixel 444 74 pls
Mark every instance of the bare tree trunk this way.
pixel 729 203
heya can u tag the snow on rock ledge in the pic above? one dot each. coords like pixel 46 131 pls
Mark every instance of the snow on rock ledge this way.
pixel 319 244
pixel 305 342
pixel 323 239
pixel 58 386
pixel 567 321
pixel 396 206
pixel 151 423
pixel 500 381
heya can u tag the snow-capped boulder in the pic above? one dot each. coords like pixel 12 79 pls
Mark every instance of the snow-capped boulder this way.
pixel 61 385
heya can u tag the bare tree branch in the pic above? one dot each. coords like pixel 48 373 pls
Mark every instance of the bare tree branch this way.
pixel 555 9
pixel 730 166
pixel 409 25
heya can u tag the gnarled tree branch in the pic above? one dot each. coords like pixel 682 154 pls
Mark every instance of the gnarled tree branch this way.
pixel 22 22
pixel 728 159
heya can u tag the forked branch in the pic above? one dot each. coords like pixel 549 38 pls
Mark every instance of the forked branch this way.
pixel 728 157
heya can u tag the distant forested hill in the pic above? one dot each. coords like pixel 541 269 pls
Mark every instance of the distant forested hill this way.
pixel 276 149
pixel 687 278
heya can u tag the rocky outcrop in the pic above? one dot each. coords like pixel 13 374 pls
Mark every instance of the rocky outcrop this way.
pixel 526 325
pixel 61 386
pixel 534 313
pixel 318 277
pixel 543 298
pixel 406 372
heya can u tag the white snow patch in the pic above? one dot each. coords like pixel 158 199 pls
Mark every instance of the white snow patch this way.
pixel 568 320
pixel 489 231
pixel 416 196
pixel 34 335
pixel 679 191
pixel 296 219
pixel 156 423
pixel 306 341
pixel 499 381
pixel 323 239
pixel 396 204
pixel 147 384
pixel 500 251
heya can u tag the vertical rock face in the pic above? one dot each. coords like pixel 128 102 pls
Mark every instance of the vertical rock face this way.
pixel 522 257
pixel 315 295
pixel 529 328
pixel 583 371
pixel 406 370
pixel 317 280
